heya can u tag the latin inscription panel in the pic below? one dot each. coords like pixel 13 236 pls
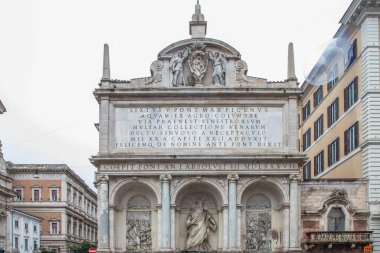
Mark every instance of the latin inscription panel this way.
pixel 247 127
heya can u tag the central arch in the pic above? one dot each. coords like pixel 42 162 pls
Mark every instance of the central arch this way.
pixel 213 198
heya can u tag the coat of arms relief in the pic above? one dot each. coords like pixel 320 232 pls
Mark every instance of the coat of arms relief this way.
pixel 198 57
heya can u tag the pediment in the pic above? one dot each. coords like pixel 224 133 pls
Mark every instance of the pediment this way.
pixel 212 44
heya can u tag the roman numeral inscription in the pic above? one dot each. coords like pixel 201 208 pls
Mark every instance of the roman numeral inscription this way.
pixel 199 127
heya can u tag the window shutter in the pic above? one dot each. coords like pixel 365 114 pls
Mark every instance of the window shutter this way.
pixel 315 166
pixel 322 123
pixel 345 142
pixel 329 116
pixel 315 129
pixel 356 90
pixel 337 149
pixel 354 50
pixel 337 108
pixel 356 130
pixel 323 161
pixel 345 99
pixel 329 154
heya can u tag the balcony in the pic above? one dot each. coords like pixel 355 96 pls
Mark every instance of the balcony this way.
pixel 337 240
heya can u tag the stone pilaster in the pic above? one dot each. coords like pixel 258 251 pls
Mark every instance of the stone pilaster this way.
pixel 294 216
pixel 232 217
pixel 165 213
pixel 103 214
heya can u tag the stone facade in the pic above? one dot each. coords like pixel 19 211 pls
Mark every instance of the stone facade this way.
pixel 198 136
pixel 6 194
pixel 61 198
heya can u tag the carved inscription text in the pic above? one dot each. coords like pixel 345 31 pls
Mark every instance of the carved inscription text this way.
pixel 198 127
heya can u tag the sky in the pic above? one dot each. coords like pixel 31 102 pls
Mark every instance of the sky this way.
pixel 51 59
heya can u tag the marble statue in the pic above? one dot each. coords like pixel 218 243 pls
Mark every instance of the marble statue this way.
pixel 176 66
pixel 219 64
pixel 199 223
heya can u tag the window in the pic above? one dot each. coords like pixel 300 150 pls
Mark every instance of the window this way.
pixel 35 245
pixel 16 223
pixel 333 112
pixel 336 220
pixel 351 54
pixel 333 152
pixel 75 228
pixel 54 228
pixel 68 225
pixel 306 139
pixel 332 78
pixel 26 227
pixel 318 127
pixel 26 244
pixel 351 138
pixel 318 96
pixel 36 195
pixel 307 171
pixel 319 163
pixel 54 195
pixel 351 95
pixel 34 228
pixel 69 196
pixel 16 242
pixel 19 195
pixel 306 111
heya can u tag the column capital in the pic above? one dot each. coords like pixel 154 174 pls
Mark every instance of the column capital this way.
pixel 166 178
pixel 294 178
pixel 102 179
pixel 233 177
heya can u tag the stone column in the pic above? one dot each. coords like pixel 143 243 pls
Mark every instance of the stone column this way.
pixel 103 219
pixel 232 217
pixel 285 227
pixel 294 216
pixel 111 227
pixel 165 213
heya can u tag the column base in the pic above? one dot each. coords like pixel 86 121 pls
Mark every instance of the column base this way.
pixel 295 250
pixel 103 250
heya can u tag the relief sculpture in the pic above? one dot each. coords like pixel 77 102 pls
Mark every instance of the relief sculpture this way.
pixel 219 66
pixel 139 235
pixel 259 234
pixel 177 68
pixel 198 61
pixel 199 223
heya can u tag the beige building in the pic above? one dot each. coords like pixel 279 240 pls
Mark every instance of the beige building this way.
pixel 61 198
pixel 339 113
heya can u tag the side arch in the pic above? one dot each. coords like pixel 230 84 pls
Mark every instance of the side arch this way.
pixel 277 190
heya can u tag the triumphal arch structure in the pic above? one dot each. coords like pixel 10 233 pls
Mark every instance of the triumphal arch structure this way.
pixel 199 156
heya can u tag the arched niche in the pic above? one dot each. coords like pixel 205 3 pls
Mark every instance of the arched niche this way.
pixel 135 224
pixel 189 192
pixel 262 215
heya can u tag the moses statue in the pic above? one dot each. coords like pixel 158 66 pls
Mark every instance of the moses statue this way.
pixel 199 223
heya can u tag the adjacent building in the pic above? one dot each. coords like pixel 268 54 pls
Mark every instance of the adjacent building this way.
pixel 56 194
pixel 24 231
pixel 6 195
pixel 339 118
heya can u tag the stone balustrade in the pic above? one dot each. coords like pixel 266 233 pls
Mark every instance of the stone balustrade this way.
pixel 322 237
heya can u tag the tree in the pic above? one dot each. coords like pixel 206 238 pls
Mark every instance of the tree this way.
pixel 81 248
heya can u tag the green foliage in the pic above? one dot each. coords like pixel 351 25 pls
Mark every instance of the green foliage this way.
pixel 43 250
pixel 81 248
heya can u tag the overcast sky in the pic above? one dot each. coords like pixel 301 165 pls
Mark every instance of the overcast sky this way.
pixel 51 59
